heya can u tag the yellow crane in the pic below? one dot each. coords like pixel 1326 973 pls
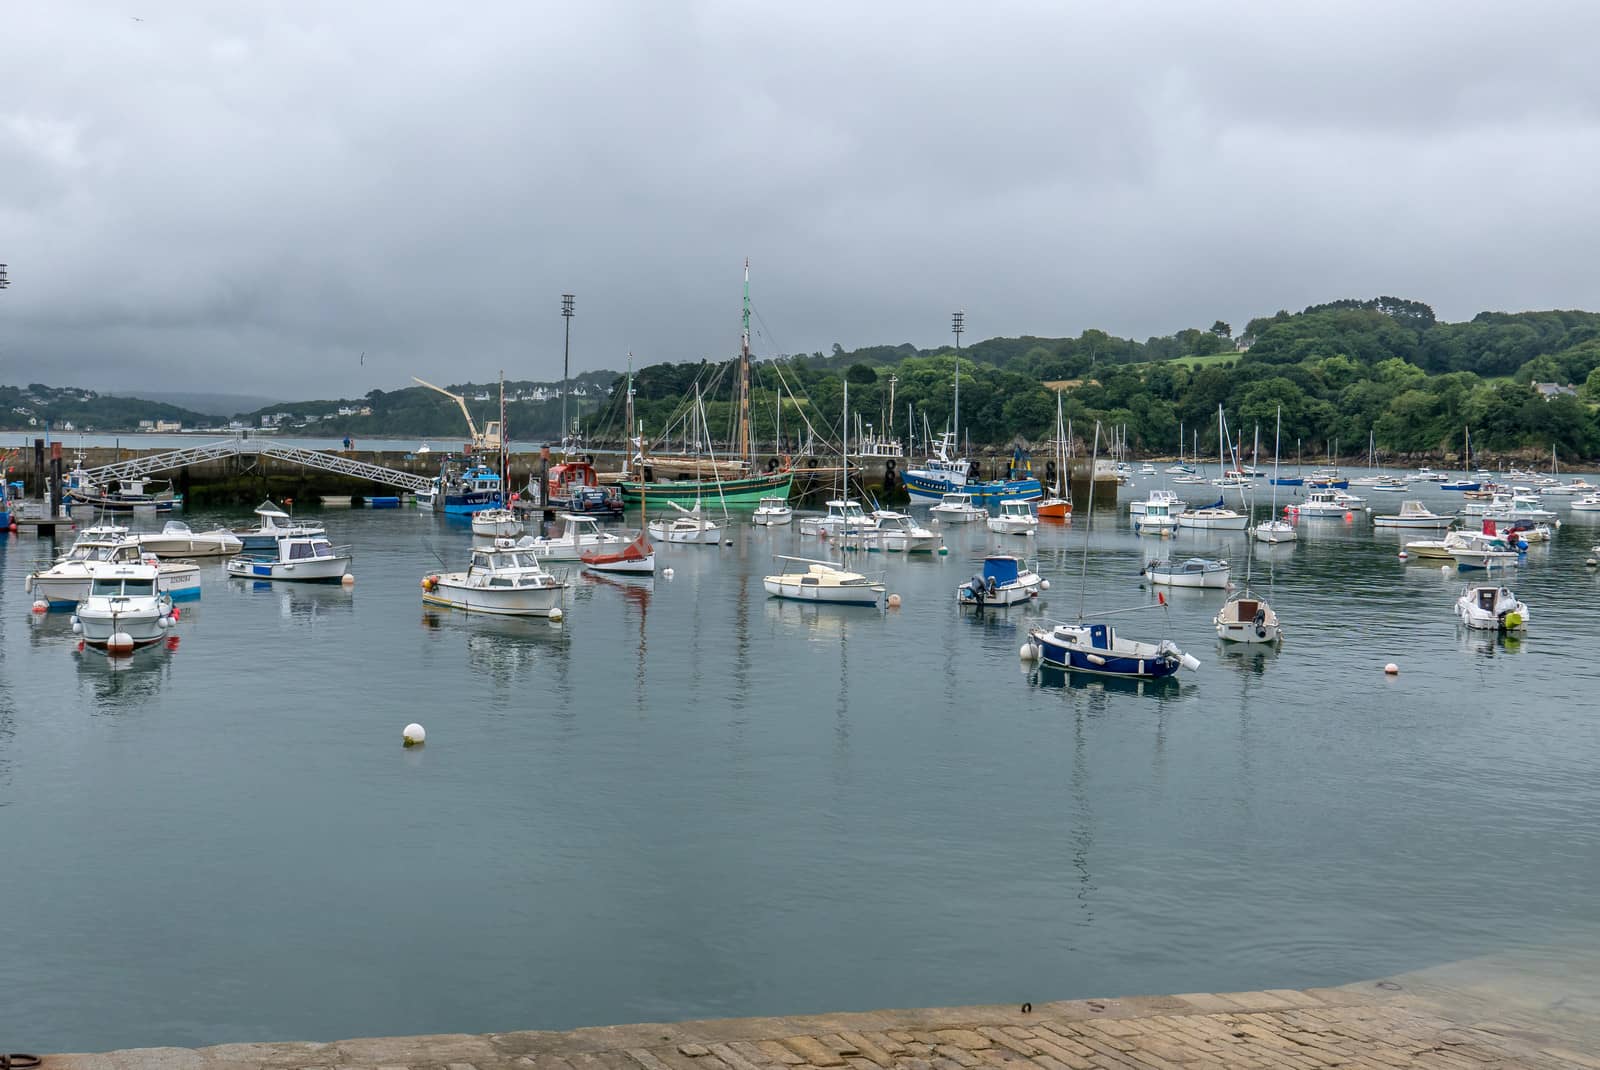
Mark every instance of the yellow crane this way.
pixel 489 439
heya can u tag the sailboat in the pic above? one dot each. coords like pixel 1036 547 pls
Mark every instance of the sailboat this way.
pixel 690 525
pixel 1059 505
pixel 740 484
pixel 639 555
pixel 1093 646
pixel 1246 617
pixel 1275 529
pixel 1466 482
pixel 1216 516
pixel 1180 469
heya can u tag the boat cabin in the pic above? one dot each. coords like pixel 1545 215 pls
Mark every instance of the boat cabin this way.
pixel 570 476
pixel 998 571
pixel 122 587
pixel 1016 508
pixel 847 510
pixel 957 501
pixel 304 549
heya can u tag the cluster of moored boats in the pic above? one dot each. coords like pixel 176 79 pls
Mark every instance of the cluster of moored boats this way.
pixel 123 586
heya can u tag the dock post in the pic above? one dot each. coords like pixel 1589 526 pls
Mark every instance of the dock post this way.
pixel 39 481
pixel 55 480
pixel 547 513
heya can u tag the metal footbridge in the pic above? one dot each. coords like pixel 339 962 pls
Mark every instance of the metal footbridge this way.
pixel 144 467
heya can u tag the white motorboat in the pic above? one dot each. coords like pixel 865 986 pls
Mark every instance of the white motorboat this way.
pixel 1517 507
pixel 496 524
pixel 957 508
pixel 686 526
pixel 1004 581
pixel 1413 514
pixel 1156 518
pixel 1481 549
pixel 891 532
pixel 825 581
pixel 1572 487
pixel 1389 485
pixel 1491 608
pixel 1213 517
pixel 426 499
pixel 1191 572
pixel 1349 501
pixel 123 609
pixel 1175 505
pixel 1147 469
pixel 66 582
pixel 772 512
pixel 1016 517
pixel 274 525
pixel 505 579
pixel 1318 504
pixel 176 540
pixel 1589 503
pixel 295 558
pixel 843 514
pixel 1428 549
pixel 577 535
pixel 1245 618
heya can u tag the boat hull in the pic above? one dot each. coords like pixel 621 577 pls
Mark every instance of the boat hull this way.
pixel 695 535
pixel 772 519
pixel 1135 664
pixel 142 626
pixel 958 516
pixel 795 591
pixel 451 593
pixel 200 544
pixel 180 583
pixel 1010 594
pixel 310 570
pixel 748 490
pixel 1230 523
pixel 1430 523
pixel 932 487
pixel 1006 525
pixel 1275 532
pixel 1216 580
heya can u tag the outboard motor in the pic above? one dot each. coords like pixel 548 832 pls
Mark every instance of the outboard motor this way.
pixel 976 586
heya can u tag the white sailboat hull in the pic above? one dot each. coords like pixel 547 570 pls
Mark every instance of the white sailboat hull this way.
pixel 792 588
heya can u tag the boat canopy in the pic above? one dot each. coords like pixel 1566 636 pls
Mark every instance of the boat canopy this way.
pixel 1002 570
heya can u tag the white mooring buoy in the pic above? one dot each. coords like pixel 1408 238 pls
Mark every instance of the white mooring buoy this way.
pixel 666 573
pixel 1029 652
pixel 348 580
pixel 414 735
pixel 1391 669
pixel 556 614
pixel 894 601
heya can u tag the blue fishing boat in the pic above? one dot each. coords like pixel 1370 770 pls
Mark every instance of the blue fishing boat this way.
pixel 943 474
pixel 477 488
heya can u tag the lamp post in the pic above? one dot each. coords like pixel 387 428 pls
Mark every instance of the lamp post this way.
pixel 566 363
pixel 958 322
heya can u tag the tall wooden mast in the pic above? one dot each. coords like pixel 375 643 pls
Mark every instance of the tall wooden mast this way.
pixel 743 437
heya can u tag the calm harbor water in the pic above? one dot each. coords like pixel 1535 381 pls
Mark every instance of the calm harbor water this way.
pixel 689 800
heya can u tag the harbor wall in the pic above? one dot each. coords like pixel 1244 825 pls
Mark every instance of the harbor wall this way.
pixel 249 479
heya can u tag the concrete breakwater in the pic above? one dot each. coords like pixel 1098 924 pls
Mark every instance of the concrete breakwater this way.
pixel 247 479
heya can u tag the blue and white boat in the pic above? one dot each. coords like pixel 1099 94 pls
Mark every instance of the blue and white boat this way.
pixel 1096 648
pixel 8 493
pixel 944 474
pixel 1004 581
pixel 301 558
pixel 476 489
pixel 1461 484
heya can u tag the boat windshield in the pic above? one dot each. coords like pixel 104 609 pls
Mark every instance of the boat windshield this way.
pixel 130 588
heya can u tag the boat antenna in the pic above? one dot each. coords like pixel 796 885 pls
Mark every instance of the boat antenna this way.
pixel 1083 572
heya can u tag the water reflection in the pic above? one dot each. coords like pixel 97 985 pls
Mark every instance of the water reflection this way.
pixel 818 619
pixel 1247 659
pixel 506 650
pixel 1095 685
pixel 117 683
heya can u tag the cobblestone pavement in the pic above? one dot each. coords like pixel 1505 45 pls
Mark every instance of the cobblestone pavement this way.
pixel 1430 1022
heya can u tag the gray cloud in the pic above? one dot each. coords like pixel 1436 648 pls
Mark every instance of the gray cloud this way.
pixel 246 196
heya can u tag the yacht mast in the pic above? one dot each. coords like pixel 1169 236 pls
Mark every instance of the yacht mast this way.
pixel 742 443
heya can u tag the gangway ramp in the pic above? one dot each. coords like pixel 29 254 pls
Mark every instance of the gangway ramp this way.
pixel 171 460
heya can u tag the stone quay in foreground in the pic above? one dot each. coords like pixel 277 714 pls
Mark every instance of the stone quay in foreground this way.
pixel 1477 1015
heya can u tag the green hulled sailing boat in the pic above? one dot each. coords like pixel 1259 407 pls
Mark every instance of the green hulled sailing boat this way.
pixel 692 479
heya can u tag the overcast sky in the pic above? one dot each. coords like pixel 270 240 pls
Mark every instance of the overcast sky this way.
pixel 244 196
